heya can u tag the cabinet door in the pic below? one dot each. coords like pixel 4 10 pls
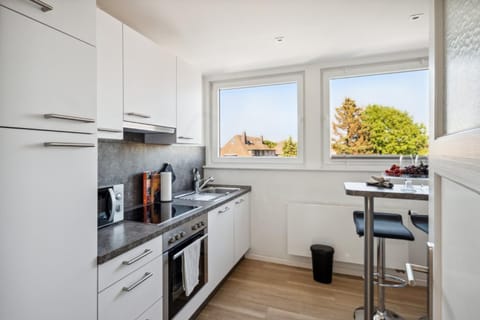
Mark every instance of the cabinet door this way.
pixel 220 243
pixel 45 72
pixel 189 104
pixel 242 226
pixel 48 229
pixel 149 81
pixel 109 77
pixel 74 17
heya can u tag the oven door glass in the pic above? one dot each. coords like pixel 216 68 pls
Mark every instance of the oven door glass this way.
pixel 177 298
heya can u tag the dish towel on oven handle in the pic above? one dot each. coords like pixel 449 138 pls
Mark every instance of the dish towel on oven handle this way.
pixel 190 262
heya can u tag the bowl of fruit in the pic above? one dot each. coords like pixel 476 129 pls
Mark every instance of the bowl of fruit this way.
pixel 411 171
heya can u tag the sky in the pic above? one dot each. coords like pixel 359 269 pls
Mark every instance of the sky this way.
pixel 407 91
pixel 270 111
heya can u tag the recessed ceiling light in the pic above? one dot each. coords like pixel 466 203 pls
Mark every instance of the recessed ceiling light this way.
pixel 416 16
pixel 279 39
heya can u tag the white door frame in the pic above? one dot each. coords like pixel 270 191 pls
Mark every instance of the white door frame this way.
pixel 454 156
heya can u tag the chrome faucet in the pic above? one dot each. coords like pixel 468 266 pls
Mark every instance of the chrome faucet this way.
pixel 197 181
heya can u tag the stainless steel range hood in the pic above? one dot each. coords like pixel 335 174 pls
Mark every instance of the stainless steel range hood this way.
pixel 149 133
pixel 146 128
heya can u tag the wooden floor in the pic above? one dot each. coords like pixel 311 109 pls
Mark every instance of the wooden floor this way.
pixel 259 290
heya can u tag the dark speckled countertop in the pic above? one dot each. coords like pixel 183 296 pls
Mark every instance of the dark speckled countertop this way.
pixel 123 236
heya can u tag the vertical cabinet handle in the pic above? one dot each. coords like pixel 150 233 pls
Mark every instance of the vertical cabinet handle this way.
pixel 45 7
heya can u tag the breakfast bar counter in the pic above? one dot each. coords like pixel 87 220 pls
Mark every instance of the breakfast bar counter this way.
pixel 361 189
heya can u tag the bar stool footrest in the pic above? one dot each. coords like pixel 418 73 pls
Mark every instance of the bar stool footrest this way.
pixel 399 282
pixel 358 314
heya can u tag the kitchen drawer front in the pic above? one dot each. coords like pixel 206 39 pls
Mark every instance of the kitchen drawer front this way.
pixel 74 17
pixel 45 72
pixel 119 267
pixel 155 312
pixel 115 303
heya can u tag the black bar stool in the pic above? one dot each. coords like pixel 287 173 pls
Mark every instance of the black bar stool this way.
pixel 385 226
pixel 419 220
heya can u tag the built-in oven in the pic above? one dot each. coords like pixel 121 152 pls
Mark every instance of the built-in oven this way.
pixel 174 242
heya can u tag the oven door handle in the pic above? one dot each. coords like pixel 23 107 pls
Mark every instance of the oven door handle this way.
pixel 178 254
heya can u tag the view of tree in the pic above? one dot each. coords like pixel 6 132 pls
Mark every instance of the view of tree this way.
pixel 290 148
pixel 270 144
pixel 377 129
pixel 352 138
pixel 392 131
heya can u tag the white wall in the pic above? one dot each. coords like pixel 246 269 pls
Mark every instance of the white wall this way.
pixel 313 182
pixel 272 191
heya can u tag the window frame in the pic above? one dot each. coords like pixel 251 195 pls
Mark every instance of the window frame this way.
pixel 359 161
pixel 256 162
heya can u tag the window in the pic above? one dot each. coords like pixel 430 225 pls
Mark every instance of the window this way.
pixel 258 119
pixel 383 113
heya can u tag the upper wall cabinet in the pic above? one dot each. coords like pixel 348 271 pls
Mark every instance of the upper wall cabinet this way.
pixel 189 104
pixel 149 82
pixel 73 17
pixel 109 77
pixel 32 53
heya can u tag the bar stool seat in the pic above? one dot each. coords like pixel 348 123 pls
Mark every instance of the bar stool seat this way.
pixel 385 226
pixel 419 220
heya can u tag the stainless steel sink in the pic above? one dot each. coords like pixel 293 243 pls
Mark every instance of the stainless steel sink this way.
pixel 208 194
pixel 219 190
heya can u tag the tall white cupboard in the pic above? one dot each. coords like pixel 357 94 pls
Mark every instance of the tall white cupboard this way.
pixel 48 160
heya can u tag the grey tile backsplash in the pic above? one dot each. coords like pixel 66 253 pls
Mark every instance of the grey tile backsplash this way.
pixel 124 162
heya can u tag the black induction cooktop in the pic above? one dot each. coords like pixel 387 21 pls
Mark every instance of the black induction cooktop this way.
pixel 157 213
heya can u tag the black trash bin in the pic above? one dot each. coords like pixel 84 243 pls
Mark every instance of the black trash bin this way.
pixel 322 263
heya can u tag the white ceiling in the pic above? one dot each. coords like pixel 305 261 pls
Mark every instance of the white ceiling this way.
pixel 237 35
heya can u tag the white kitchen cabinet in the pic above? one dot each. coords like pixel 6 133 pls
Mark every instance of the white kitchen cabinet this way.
pixel 109 77
pixel 73 17
pixel 149 82
pixel 241 226
pixel 189 104
pixel 48 229
pixel 130 297
pixel 220 243
pixel 47 79
pixel 228 237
